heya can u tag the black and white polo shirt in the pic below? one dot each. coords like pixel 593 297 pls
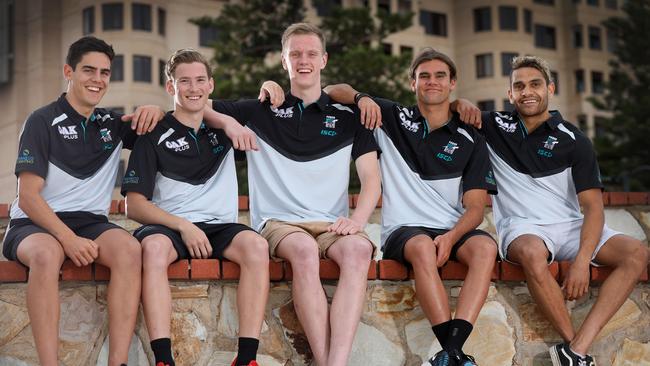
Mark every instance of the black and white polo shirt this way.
pixel 301 172
pixel 540 173
pixel 425 173
pixel 77 156
pixel 186 173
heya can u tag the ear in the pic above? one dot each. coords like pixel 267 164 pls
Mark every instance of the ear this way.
pixel 413 85
pixel 510 98
pixel 551 88
pixel 169 86
pixel 284 63
pixel 67 72
pixel 325 58
pixel 452 84
pixel 211 85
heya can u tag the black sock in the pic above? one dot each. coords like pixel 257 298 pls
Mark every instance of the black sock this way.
pixel 162 351
pixel 459 331
pixel 441 330
pixel 247 351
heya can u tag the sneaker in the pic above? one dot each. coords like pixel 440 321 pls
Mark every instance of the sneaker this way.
pixel 562 355
pixel 440 359
pixel 461 359
pixel 252 363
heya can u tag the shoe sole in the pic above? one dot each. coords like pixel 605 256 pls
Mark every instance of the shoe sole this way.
pixel 555 358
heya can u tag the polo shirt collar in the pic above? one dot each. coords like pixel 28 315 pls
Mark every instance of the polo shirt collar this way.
pixel 176 124
pixel 70 111
pixel 451 125
pixel 321 102
pixel 551 123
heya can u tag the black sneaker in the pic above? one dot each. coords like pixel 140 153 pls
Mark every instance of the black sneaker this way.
pixel 461 359
pixel 562 355
pixel 440 359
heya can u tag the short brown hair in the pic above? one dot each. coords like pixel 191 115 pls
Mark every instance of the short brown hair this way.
pixel 429 54
pixel 185 56
pixel 534 62
pixel 302 28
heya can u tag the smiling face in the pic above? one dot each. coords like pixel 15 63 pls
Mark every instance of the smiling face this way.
pixel 303 58
pixel 529 92
pixel 432 83
pixel 191 86
pixel 88 81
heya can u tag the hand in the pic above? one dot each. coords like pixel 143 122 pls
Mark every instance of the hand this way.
pixel 576 283
pixel 345 226
pixel 443 245
pixel 469 113
pixel 241 136
pixel 80 250
pixel 144 119
pixel 273 91
pixel 370 113
pixel 195 241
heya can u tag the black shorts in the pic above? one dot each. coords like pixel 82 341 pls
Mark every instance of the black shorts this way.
pixel 219 235
pixel 84 224
pixel 394 246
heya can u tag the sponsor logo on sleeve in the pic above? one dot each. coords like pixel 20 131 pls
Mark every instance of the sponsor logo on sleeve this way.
pixel 131 178
pixel 25 157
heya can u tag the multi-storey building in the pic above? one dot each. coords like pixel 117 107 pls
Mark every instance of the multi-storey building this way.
pixel 480 35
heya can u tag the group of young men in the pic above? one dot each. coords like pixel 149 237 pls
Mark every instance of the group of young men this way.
pixel 434 175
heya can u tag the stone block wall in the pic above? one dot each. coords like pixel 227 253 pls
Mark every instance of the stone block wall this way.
pixel 393 330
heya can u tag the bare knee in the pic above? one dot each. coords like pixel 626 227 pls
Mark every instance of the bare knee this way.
pixel 637 259
pixel 46 259
pixel 155 253
pixel 305 258
pixel 532 258
pixel 482 252
pixel 421 253
pixel 255 251
pixel 129 255
pixel 355 253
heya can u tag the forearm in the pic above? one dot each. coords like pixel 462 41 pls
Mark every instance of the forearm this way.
pixel 592 229
pixel 342 93
pixel 470 220
pixel 145 212
pixel 367 202
pixel 217 120
pixel 37 209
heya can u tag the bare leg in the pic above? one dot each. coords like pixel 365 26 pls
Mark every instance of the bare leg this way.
pixel 251 252
pixel 309 299
pixel 353 254
pixel 628 256
pixel 477 254
pixel 532 254
pixel 429 289
pixel 157 254
pixel 44 256
pixel 121 252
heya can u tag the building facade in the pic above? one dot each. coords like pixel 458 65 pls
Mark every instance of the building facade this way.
pixel 481 36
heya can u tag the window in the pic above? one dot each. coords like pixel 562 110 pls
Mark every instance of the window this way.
pixel 7 31
pixel 544 2
pixel 580 81
pixel 611 4
pixel 507 106
pixel 404 6
pixel 405 49
pixel 112 16
pixel 556 79
pixel 582 122
pixel 387 48
pixel 162 21
pixel 324 7
pixel 434 23
pixel 141 16
pixel 117 68
pixel 207 35
pixel 599 127
pixel 142 68
pixel 597 82
pixel 482 19
pixel 486 105
pixel 544 36
pixel 611 41
pixel 592 2
pixel 595 42
pixel 162 78
pixel 484 66
pixel 576 38
pixel 528 21
pixel 383 5
pixel 506 60
pixel 508 18
pixel 88 20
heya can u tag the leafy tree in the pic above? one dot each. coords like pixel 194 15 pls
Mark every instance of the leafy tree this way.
pixel 247 51
pixel 623 147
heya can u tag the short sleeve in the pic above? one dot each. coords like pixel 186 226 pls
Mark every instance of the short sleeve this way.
pixel 33 148
pixel 141 173
pixel 585 171
pixel 240 110
pixel 478 172
pixel 364 142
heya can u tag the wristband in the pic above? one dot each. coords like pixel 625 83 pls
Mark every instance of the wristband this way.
pixel 358 96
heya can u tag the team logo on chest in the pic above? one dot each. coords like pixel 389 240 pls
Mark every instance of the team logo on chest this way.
pixel 216 148
pixel 282 112
pixel 329 122
pixel 505 123
pixel 178 145
pixel 405 116
pixel 105 135
pixel 549 144
pixel 68 132
pixel 449 151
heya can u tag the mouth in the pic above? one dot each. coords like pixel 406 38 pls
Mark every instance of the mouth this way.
pixel 93 89
pixel 528 101
pixel 194 97
pixel 303 71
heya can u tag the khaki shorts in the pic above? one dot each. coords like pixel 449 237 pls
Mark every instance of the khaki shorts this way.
pixel 274 231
